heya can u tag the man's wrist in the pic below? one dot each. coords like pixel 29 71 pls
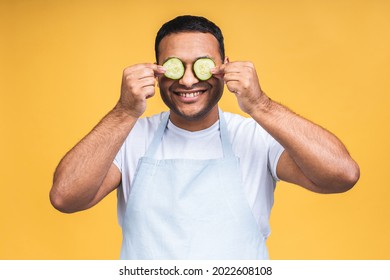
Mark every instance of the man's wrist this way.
pixel 263 106
pixel 123 115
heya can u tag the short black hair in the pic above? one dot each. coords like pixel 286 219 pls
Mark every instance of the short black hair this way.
pixel 189 23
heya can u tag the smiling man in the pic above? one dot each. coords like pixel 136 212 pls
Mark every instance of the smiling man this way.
pixel 196 182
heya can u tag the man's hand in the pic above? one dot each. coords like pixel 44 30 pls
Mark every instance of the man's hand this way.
pixel 138 84
pixel 241 79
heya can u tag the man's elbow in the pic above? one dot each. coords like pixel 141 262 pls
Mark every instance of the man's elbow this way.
pixel 60 202
pixel 348 177
pixel 340 180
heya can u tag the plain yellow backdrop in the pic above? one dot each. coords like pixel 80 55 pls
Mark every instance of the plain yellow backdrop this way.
pixel 60 70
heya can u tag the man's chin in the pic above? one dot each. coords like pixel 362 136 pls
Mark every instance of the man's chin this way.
pixel 192 114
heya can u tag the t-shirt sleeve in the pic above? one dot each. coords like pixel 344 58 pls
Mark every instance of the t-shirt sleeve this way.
pixel 274 153
pixel 120 192
pixel 119 158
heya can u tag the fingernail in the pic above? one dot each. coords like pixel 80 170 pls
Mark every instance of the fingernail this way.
pixel 161 68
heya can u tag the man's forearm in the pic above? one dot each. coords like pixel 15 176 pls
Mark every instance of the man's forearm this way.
pixel 81 172
pixel 322 157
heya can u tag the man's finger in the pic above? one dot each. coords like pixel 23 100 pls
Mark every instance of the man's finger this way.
pixel 218 71
pixel 158 70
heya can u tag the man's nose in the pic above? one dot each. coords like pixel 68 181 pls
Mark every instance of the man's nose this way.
pixel 189 78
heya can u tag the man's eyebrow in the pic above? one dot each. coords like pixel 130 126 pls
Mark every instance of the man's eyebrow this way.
pixel 205 56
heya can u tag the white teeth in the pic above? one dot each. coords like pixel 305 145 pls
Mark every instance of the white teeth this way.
pixel 191 94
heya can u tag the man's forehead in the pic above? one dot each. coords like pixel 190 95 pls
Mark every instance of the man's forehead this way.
pixel 189 45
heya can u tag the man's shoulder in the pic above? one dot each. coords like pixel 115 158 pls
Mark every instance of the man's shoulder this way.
pixel 150 122
pixel 234 116
pixel 245 129
pixel 236 121
pixel 153 118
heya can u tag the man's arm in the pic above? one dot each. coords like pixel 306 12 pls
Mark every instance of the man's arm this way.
pixel 87 174
pixel 314 158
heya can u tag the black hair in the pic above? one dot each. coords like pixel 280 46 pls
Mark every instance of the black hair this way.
pixel 188 23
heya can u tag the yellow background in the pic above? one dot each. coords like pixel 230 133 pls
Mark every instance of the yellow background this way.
pixel 60 70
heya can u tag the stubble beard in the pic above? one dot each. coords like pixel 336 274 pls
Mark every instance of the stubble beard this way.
pixel 196 116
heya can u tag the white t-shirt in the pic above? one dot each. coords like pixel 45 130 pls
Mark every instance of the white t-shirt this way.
pixel 258 152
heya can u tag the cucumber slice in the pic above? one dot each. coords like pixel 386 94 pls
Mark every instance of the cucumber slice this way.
pixel 202 68
pixel 174 68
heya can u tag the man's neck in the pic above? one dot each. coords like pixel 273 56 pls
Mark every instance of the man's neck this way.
pixel 195 124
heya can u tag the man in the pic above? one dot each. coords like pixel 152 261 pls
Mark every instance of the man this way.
pixel 195 182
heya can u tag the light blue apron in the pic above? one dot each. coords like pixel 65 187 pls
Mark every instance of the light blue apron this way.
pixel 190 209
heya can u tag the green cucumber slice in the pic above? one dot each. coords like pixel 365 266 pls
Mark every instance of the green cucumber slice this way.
pixel 174 68
pixel 202 68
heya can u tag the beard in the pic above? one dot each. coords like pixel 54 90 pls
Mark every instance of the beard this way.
pixel 192 111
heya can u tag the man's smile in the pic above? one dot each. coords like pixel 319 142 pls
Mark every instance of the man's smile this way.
pixel 189 93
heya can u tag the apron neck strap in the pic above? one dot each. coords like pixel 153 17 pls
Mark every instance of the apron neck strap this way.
pixel 157 138
pixel 224 134
pixel 151 151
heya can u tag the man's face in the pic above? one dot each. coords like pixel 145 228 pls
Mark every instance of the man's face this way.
pixel 190 98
